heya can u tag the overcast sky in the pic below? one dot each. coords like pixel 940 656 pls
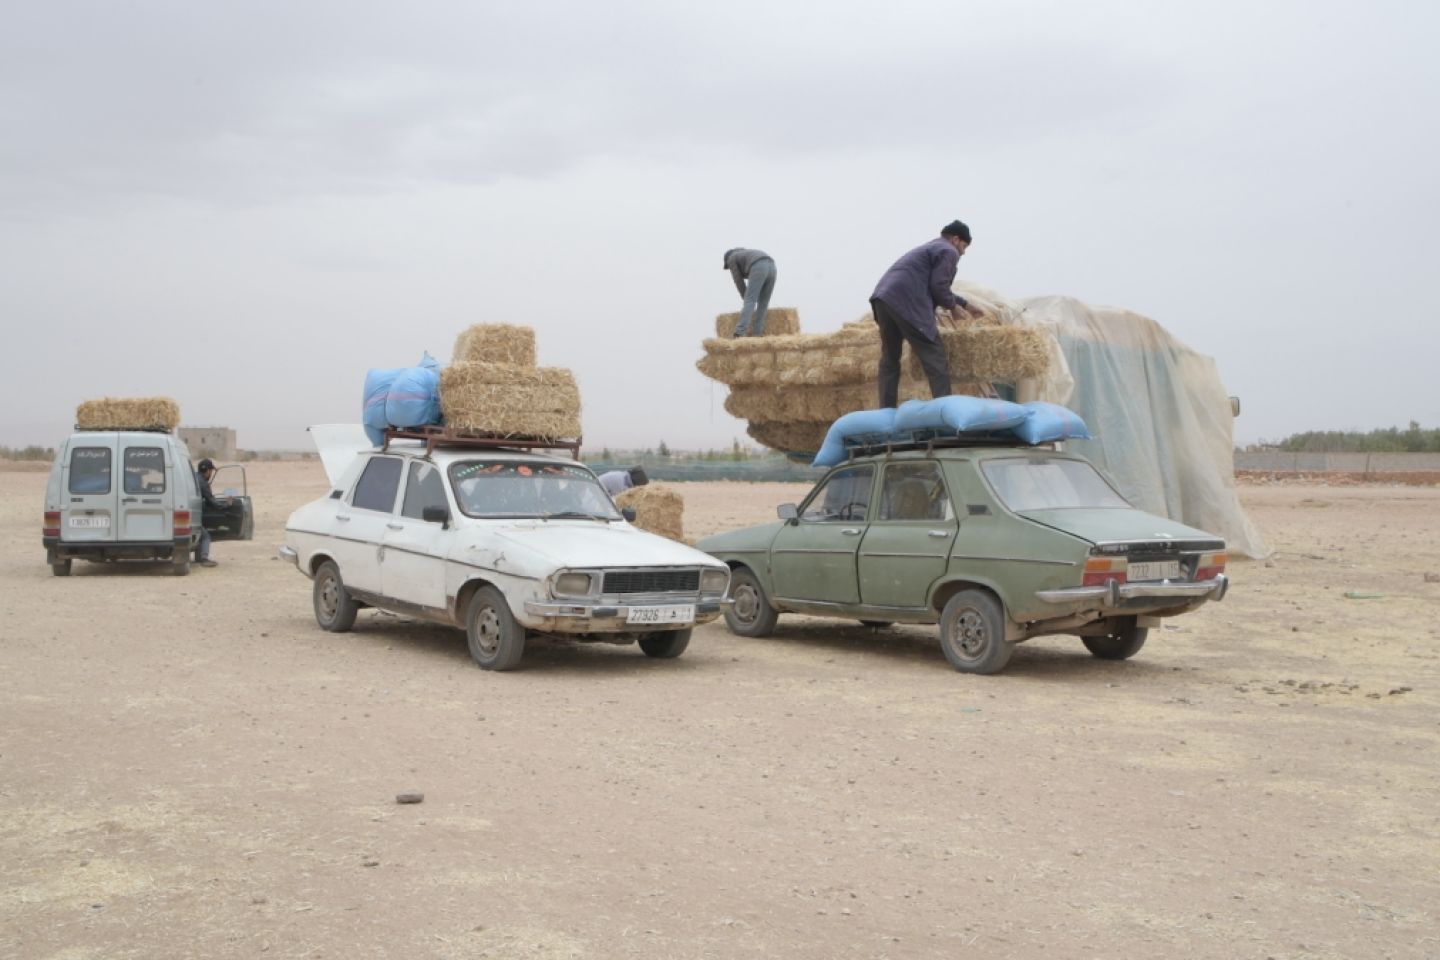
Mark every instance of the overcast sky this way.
pixel 244 206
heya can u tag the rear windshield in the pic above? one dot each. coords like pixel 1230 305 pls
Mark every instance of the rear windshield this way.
pixel 144 470
pixel 1025 484
pixel 90 470
pixel 509 488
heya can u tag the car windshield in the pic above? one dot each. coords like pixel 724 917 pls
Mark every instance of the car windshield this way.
pixel 525 488
pixel 1026 483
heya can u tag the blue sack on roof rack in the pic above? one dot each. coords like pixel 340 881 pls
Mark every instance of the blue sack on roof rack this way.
pixel 1049 422
pixel 379 385
pixel 960 414
pixel 862 423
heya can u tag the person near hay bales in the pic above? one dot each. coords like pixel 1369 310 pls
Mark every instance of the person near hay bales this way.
pixel 617 482
pixel 205 470
pixel 904 305
pixel 754 274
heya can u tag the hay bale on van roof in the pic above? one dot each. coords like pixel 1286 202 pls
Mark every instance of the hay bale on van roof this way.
pixel 659 509
pixel 496 343
pixel 128 413
pixel 509 400
pixel 779 322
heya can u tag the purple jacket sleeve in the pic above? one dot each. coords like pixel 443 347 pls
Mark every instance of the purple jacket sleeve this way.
pixel 942 275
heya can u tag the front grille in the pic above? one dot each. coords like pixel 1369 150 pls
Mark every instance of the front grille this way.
pixel 651 581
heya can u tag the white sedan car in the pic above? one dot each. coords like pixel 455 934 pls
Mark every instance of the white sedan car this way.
pixel 502 543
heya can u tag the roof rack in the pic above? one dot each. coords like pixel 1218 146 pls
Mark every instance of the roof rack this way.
pixel 928 440
pixel 446 436
pixel 133 428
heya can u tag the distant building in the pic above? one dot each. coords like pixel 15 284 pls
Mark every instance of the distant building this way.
pixel 217 443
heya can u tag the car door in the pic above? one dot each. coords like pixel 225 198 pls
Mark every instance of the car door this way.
pixel 360 522
pixel 145 511
pixel 413 568
pixel 907 545
pixel 813 557
pixel 235 521
pixel 89 494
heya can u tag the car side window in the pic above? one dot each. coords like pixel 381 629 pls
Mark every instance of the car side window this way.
pixel 844 496
pixel 90 470
pixel 378 484
pixel 425 488
pixel 144 470
pixel 914 491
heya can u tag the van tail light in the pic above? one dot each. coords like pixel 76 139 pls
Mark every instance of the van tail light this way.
pixel 1102 570
pixel 52 523
pixel 1210 565
pixel 182 523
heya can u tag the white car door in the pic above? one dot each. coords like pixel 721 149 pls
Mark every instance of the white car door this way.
pixel 360 522
pixel 413 569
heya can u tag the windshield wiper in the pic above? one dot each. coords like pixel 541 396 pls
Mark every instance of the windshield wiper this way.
pixel 572 515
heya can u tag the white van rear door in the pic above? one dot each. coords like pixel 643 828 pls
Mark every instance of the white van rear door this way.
pixel 146 494
pixel 89 492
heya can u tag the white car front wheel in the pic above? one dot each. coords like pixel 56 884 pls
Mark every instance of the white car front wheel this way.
pixel 497 641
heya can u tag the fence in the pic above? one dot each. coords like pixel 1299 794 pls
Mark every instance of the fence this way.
pixel 1277 461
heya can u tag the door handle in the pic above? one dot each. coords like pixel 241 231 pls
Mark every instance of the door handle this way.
pixel 394 526
pixel 851 532
pixel 939 533
pixel 342 516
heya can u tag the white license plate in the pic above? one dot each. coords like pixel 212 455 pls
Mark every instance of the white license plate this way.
pixel 100 522
pixel 673 613
pixel 1157 570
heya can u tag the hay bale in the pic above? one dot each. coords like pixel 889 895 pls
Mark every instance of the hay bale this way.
pixel 496 343
pixel 992 353
pixel 802 438
pixel 658 508
pixel 795 404
pixel 779 322
pixel 508 400
pixel 128 413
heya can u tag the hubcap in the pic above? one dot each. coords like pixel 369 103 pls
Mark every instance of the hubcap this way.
pixel 487 631
pixel 747 603
pixel 968 636
pixel 329 597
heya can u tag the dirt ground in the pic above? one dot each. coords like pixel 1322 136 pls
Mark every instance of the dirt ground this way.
pixel 192 768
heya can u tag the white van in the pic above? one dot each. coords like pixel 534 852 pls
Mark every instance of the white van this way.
pixel 126 495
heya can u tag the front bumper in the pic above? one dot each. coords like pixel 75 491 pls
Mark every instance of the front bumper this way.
pixel 610 617
pixel 1158 592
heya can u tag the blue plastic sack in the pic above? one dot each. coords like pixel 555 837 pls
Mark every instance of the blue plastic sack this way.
pixel 378 385
pixel 962 414
pixel 861 423
pixel 1049 422
pixel 414 397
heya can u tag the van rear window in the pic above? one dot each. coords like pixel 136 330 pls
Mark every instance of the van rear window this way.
pixel 144 470
pixel 90 470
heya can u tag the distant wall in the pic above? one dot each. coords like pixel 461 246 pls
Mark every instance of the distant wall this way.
pixel 1278 462
pixel 218 443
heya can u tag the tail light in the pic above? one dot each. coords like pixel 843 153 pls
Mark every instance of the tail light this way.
pixel 52 523
pixel 1210 565
pixel 182 523
pixel 1101 570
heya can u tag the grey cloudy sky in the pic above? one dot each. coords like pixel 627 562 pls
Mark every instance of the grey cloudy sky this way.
pixel 245 206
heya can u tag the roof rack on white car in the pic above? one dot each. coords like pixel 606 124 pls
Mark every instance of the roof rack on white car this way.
pixel 445 436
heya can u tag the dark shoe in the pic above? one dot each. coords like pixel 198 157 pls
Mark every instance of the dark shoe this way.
pixel 209 563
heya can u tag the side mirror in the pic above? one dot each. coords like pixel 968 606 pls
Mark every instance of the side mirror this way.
pixel 787 511
pixel 628 513
pixel 439 515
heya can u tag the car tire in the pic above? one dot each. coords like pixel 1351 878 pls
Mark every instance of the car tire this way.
pixel 972 633
pixel 877 624
pixel 1122 643
pixel 665 645
pixel 60 568
pixel 497 641
pixel 749 614
pixel 335 609
pixel 180 564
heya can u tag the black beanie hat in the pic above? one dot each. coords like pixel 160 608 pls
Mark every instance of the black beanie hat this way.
pixel 956 229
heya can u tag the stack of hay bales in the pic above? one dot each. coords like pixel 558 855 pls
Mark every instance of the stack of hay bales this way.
pixel 658 508
pixel 791 386
pixel 779 321
pixel 494 387
pixel 128 413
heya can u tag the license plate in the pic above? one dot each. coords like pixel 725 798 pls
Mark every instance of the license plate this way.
pixel 93 522
pixel 1156 570
pixel 673 613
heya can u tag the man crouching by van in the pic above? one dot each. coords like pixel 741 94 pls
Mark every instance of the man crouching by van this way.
pixel 206 470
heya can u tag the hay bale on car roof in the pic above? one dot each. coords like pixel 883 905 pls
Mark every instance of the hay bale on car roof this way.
pixel 128 413
pixel 508 400
pixel 659 509
pixel 992 353
pixel 496 343
pixel 779 322
pixel 792 404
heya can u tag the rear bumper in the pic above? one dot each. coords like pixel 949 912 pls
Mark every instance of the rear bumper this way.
pixel 1161 593
pixel 116 549
pixel 290 554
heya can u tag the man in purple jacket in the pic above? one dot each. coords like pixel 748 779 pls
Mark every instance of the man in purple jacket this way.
pixel 904 305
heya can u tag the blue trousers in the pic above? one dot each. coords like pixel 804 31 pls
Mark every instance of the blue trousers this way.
pixel 758 287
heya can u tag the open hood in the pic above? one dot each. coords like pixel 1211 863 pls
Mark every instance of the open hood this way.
pixel 337 444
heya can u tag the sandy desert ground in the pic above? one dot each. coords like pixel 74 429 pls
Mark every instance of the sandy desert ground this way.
pixel 189 767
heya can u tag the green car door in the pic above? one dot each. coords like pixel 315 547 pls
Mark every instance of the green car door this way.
pixel 907 546
pixel 813 556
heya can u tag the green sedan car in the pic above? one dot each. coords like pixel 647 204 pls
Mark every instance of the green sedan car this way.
pixel 996 544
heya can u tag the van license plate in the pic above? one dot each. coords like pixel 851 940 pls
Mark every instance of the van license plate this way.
pixel 1157 570
pixel 90 522
pixel 674 613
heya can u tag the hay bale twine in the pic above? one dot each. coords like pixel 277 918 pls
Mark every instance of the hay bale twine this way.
pixel 779 322
pixel 128 413
pixel 496 343
pixel 508 400
pixel 659 509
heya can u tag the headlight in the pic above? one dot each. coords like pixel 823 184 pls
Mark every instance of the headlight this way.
pixel 714 581
pixel 572 585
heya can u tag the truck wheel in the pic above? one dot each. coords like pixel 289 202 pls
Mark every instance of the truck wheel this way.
pixel 1124 641
pixel 972 633
pixel 497 641
pixel 61 568
pixel 335 609
pixel 750 613
pixel 666 645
